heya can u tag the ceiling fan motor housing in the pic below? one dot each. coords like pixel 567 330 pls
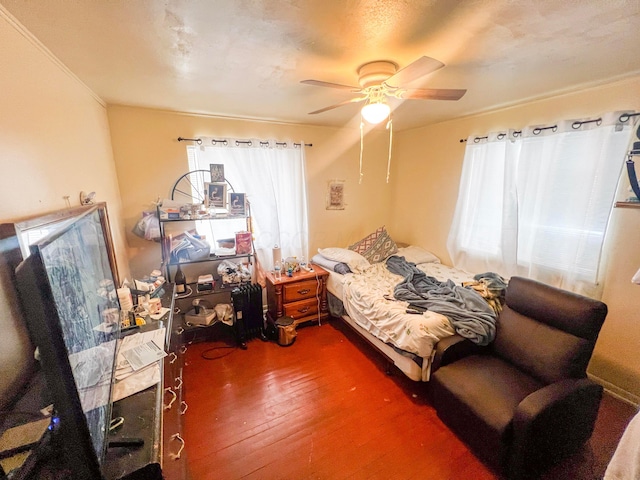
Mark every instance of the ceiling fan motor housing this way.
pixel 374 73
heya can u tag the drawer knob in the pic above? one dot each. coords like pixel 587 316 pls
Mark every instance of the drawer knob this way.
pixel 303 309
pixel 303 291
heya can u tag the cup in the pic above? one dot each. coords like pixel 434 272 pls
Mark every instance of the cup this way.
pixel 154 306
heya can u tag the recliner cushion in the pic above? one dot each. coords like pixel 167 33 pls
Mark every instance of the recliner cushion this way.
pixel 543 351
pixel 561 309
pixel 477 397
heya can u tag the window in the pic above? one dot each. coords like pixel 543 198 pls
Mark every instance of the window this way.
pixel 222 229
pixel 537 203
pixel 272 175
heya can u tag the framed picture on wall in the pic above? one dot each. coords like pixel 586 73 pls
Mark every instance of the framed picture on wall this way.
pixel 217 172
pixel 216 195
pixel 335 195
pixel 237 204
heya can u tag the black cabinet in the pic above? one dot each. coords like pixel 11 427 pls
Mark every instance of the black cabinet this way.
pixel 154 415
pixel 145 412
pixel 174 462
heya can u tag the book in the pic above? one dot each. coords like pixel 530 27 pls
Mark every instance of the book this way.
pixel 243 243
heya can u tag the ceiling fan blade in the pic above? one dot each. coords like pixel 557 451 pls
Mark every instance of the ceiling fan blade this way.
pixel 422 66
pixel 433 93
pixel 320 83
pixel 346 102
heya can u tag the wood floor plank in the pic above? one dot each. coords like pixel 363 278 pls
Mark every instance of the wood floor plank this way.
pixel 324 408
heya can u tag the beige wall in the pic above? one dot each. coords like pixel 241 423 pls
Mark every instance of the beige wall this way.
pixel 54 142
pixel 428 167
pixel 149 159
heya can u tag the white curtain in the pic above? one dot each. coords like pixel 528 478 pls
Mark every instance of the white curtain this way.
pixel 482 236
pixel 537 203
pixel 274 179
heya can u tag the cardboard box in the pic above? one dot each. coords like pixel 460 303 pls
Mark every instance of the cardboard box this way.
pixel 169 213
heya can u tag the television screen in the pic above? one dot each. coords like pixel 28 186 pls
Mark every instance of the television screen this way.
pixel 68 292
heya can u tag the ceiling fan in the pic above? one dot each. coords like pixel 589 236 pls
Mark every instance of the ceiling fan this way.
pixel 381 79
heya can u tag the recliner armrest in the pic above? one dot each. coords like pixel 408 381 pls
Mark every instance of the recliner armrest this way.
pixel 453 348
pixel 554 421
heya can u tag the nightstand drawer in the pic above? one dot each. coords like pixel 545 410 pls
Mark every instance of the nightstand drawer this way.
pixel 300 290
pixel 301 309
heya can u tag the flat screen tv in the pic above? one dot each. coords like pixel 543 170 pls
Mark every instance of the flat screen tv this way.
pixel 66 286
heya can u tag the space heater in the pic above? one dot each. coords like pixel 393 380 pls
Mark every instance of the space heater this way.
pixel 247 306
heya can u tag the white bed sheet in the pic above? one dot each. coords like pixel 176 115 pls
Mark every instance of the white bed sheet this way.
pixel 335 283
pixel 385 320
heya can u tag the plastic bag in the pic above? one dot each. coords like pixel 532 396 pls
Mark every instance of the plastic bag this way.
pixel 233 272
pixel 190 248
pixel 148 227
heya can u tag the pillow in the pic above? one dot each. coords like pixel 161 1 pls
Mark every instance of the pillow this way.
pixel 331 265
pixel 324 262
pixel 376 246
pixel 355 261
pixel 417 255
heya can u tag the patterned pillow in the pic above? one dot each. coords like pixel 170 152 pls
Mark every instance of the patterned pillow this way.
pixel 376 246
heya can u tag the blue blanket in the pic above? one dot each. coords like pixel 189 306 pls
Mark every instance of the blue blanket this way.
pixel 469 314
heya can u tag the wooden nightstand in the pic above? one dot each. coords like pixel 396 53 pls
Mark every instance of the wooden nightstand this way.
pixel 302 296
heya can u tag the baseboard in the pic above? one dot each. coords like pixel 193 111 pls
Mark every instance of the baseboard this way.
pixel 616 391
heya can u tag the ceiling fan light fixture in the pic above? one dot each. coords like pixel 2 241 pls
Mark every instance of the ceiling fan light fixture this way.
pixel 376 112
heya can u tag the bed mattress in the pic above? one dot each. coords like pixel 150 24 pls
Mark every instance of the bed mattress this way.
pixel 408 339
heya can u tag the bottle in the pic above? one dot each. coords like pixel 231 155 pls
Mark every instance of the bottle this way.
pixel 277 271
pixel 304 265
pixel 181 282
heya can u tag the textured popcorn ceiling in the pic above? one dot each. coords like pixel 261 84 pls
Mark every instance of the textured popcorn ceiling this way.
pixel 246 58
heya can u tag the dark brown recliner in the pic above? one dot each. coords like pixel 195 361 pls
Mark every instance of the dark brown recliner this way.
pixel 524 401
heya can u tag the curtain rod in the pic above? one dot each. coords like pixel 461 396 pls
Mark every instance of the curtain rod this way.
pixel 500 136
pixel 625 117
pixel 239 142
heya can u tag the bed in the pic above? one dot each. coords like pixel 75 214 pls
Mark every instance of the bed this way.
pixel 362 294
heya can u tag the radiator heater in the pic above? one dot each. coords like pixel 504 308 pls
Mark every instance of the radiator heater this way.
pixel 247 306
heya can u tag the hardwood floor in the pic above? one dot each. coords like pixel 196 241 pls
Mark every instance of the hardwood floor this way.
pixel 324 408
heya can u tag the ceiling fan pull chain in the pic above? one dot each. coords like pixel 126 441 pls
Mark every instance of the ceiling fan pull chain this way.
pixel 361 148
pixel 390 128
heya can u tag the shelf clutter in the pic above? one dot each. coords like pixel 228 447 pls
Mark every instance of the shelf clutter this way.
pixel 183 243
pixel 139 302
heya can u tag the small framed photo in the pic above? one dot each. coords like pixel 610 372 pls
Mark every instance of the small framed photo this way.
pixel 217 172
pixel 237 204
pixel 216 195
pixel 335 195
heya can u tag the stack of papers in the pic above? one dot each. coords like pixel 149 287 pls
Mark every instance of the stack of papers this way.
pixel 144 354
pixel 137 366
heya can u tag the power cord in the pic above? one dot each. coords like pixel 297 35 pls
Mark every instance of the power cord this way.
pixel 186 294
pixel 318 285
pixel 205 355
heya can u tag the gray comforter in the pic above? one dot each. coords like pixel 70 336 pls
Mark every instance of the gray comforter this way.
pixel 468 312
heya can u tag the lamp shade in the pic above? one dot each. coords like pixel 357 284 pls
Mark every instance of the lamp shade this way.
pixel 375 112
